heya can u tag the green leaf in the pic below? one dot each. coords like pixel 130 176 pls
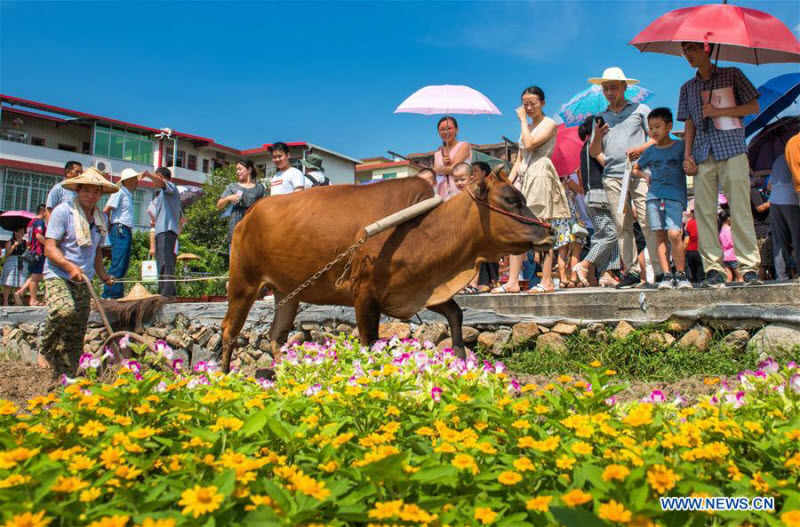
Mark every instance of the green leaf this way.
pixel 515 520
pixel 443 474
pixel 386 467
pixel 356 512
pixel 576 518
pixel 254 423
pixel 226 482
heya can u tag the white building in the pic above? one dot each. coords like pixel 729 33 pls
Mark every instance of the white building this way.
pixel 37 140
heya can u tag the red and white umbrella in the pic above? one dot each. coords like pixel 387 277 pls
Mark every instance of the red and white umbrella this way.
pixel 447 99
pixel 742 34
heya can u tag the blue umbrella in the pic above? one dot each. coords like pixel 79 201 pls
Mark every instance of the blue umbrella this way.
pixel 777 94
pixel 591 101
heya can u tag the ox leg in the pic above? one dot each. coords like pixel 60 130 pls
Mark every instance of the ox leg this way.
pixel 368 318
pixel 455 317
pixel 282 323
pixel 241 296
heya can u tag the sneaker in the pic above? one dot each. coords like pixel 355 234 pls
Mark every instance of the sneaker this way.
pixel 714 280
pixel 629 280
pixel 680 281
pixel 666 282
pixel 751 278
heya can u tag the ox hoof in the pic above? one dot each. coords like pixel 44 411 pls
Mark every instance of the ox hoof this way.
pixel 265 373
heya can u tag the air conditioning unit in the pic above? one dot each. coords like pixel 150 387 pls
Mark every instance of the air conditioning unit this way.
pixel 103 166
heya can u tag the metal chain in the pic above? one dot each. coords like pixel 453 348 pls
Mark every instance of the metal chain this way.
pixel 316 276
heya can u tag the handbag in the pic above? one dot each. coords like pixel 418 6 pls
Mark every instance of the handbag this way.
pixel 29 256
pixel 595 197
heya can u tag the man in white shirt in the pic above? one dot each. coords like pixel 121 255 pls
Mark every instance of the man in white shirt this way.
pixel 288 179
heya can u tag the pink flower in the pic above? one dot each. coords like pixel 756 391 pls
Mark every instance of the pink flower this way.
pixel 84 361
pixel 794 383
pixel 201 366
pixel 177 365
pixel 66 381
pixel 770 365
pixel 656 397
pixel 679 400
pixel 134 366
pixel 436 394
pixel 125 341
pixel 611 401
pixel 162 348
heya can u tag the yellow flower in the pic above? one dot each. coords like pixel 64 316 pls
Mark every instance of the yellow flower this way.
pixel 619 472
pixel 7 407
pixel 509 478
pixel 539 503
pixel 465 461
pixel 486 448
pixel 758 482
pixel 90 494
pixel 463 398
pixel 595 364
pixel 227 423
pixel 791 518
pixel 111 521
pixel 328 467
pixel 28 519
pixel 582 448
pixel 576 497
pixel 386 510
pixel 111 457
pixel 150 522
pixel 144 408
pixel 13 480
pixel 641 415
pixel 485 515
pixel 564 379
pixel 522 464
pixel 615 512
pixel 92 428
pixel 311 487
pixel 79 463
pixel 565 462
pixel 143 433
pixel 123 420
pixel 70 484
pixel 200 500
pixel 521 424
pixel 10 458
pixel 258 500
pixel 661 478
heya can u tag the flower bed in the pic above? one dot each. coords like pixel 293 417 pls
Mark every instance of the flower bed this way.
pixel 397 435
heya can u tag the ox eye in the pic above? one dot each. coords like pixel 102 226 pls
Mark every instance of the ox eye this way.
pixel 513 200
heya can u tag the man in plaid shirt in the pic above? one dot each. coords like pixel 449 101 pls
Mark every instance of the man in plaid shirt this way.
pixel 716 153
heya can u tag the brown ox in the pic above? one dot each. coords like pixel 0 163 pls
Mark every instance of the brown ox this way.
pixel 421 263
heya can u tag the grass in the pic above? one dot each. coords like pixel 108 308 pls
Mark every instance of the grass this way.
pixel 636 357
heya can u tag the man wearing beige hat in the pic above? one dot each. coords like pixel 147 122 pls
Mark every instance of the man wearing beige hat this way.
pixel 620 136
pixel 120 232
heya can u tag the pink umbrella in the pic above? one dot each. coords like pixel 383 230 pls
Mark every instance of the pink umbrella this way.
pixel 15 219
pixel 567 152
pixel 447 99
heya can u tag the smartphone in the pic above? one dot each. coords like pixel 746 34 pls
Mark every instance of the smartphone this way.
pixel 600 121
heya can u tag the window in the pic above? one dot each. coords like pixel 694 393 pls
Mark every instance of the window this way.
pixel 120 143
pixel 206 166
pixel 24 190
pixel 68 148
pixel 192 162
pixel 390 175
pixel 37 141
pixel 87 147
pixel 179 162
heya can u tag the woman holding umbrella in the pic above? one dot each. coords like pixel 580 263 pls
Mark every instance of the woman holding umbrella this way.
pixel 535 176
pixel 451 153
pixel 14 270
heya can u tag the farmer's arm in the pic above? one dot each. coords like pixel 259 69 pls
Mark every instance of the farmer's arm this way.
pixel 99 269
pixel 54 254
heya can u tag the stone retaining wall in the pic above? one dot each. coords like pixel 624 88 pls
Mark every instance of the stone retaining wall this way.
pixel 194 331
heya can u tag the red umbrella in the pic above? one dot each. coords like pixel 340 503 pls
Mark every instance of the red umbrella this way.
pixel 746 35
pixel 567 152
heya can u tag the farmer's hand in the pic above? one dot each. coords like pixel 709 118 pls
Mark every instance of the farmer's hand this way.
pixel 521 113
pixel 106 278
pixel 709 110
pixel 75 273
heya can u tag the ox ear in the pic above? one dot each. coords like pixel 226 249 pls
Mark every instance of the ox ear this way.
pixel 499 172
pixel 482 187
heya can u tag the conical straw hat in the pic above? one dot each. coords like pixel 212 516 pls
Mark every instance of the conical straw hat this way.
pixel 137 292
pixel 91 176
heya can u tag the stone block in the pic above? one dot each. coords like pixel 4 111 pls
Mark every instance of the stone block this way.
pixel 523 333
pixel 662 339
pixel 202 336
pixel 469 334
pixel 298 337
pixel 445 343
pixel 344 328
pixel 434 332
pixel 737 339
pixel 777 340
pixel 215 341
pixel 400 330
pixel 28 329
pixel 564 328
pixel 159 333
pixel 622 330
pixel 487 340
pixel 551 342
pixel 502 338
pixel 699 337
pixel 679 325
pixel 26 353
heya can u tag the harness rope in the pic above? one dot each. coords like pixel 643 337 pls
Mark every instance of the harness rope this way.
pixel 521 219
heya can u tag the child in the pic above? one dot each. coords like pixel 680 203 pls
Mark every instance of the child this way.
pixel 694 262
pixel 666 197
pixel 428 175
pixel 728 252
pixel 462 174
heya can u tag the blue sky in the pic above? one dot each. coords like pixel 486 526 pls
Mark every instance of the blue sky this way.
pixel 331 73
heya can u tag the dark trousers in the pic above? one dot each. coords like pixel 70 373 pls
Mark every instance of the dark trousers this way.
pixel 489 273
pixel 165 258
pixel 694 267
pixel 121 239
pixel 785 222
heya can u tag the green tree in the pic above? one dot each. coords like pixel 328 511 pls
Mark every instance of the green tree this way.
pixel 204 227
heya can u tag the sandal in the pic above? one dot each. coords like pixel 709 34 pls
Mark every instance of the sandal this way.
pixel 607 282
pixel 539 289
pixel 502 289
pixel 469 290
pixel 583 275
pixel 484 289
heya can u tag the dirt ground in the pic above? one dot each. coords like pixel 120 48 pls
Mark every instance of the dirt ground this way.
pixel 20 382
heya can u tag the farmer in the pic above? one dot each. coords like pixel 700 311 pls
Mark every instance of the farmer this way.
pixel 73 236
pixel 58 194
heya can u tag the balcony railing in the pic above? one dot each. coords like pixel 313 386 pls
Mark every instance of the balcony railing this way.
pixel 58 158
